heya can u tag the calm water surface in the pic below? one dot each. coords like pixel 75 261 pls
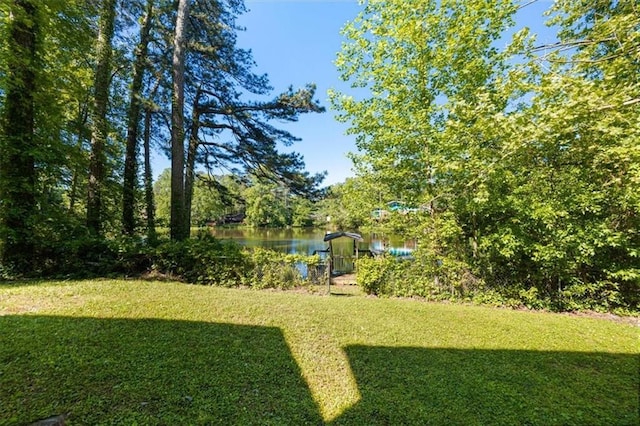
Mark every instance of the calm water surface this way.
pixel 306 241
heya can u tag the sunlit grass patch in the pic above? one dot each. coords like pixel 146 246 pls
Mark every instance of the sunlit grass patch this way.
pixel 127 352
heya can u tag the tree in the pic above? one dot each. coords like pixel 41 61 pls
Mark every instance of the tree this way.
pixel 133 121
pixel 226 133
pixel 100 129
pixel 179 229
pixel 528 171
pixel 250 141
pixel 214 197
pixel 208 204
pixel 150 207
pixel 434 78
pixel 419 64
pixel 583 215
pixel 349 205
pixel 162 196
pixel 302 212
pixel 18 193
pixel 266 206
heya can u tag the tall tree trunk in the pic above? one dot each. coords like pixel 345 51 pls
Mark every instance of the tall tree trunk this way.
pixel 81 122
pixel 17 164
pixel 148 178
pixel 179 231
pixel 133 119
pixel 190 173
pixel 99 116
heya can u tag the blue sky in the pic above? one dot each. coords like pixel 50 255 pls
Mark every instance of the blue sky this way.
pixel 296 41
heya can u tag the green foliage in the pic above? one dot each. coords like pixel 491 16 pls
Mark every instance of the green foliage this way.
pixel 266 205
pixel 272 269
pixel 202 260
pixel 528 161
pixel 85 256
pixel 207 260
pixel 272 205
pixel 302 211
pixel 213 198
pixel 199 260
pixel 375 273
pixel 94 257
pixel 348 205
pixel 72 78
pixel 162 197
pixel 423 276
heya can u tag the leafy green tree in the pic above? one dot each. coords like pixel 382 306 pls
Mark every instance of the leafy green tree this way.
pixel 582 215
pixel 209 203
pixel 419 64
pixel 527 167
pixel 349 205
pixel 100 125
pixel 302 212
pixel 58 83
pixel 18 193
pixel 214 197
pixel 266 205
pixel 162 197
pixel 133 120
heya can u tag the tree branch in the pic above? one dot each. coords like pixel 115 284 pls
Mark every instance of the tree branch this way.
pixel 624 104
pixel 570 44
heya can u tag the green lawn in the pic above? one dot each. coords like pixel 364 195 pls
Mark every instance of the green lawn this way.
pixel 140 352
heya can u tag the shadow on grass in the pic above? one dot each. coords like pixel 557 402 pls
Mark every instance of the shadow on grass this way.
pixel 126 371
pixel 416 386
pixel 120 371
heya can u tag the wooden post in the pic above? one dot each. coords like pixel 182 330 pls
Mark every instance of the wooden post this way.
pixel 330 259
pixel 355 263
pixel 329 276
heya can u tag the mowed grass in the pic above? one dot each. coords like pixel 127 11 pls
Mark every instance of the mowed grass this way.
pixel 141 352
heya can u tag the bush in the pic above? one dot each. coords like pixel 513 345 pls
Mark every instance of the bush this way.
pixel 602 296
pixel 374 274
pixel 202 260
pixel 272 269
pixel 206 260
pixel 422 276
pixel 87 256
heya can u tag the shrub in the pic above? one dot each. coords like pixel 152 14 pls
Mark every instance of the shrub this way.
pixel 422 276
pixel 374 274
pixel 272 269
pixel 602 296
pixel 79 257
pixel 207 260
pixel 202 260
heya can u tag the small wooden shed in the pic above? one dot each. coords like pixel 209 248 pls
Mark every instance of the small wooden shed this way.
pixel 332 236
pixel 333 259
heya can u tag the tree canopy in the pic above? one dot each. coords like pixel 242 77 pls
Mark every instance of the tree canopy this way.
pixel 525 157
pixel 84 84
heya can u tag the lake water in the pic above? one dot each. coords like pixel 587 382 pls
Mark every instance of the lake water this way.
pixel 306 241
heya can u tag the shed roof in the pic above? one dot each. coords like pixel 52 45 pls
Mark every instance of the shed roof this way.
pixel 335 235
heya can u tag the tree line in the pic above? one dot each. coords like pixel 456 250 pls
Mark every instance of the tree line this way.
pixel 223 200
pixel 89 89
pixel 525 157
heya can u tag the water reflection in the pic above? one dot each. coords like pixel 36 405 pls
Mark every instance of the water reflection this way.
pixel 291 241
pixel 306 241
